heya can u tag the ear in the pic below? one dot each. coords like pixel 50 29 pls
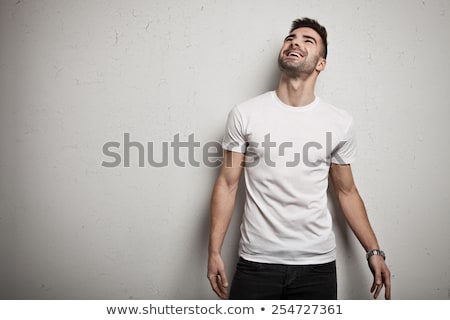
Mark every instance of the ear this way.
pixel 321 64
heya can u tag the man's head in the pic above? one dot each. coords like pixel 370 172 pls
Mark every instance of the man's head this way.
pixel 313 24
pixel 304 50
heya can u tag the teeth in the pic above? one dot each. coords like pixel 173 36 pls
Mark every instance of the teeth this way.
pixel 295 54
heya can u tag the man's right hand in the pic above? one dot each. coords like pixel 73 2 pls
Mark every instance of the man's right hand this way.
pixel 217 276
pixel 222 205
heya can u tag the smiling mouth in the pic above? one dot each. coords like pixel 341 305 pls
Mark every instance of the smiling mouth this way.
pixel 293 54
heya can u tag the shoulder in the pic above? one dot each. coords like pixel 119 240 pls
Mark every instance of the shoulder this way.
pixel 336 114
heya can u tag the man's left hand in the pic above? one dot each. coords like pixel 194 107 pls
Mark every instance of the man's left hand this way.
pixel 381 276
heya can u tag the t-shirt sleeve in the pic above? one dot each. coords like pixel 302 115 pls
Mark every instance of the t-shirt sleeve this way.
pixel 234 137
pixel 345 152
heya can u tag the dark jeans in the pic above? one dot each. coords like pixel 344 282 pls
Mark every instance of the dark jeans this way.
pixel 263 281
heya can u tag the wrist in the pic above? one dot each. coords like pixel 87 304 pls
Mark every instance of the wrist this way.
pixel 375 252
pixel 212 251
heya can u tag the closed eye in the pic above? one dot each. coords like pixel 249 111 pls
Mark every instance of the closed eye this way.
pixel 289 38
pixel 310 39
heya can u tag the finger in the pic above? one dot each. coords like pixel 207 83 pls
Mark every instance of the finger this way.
pixel 374 285
pixel 377 291
pixel 387 287
pixel 223 285
pixel 217 287
pixel 223 279
pixel 214 285
pixel 374 289
pixel 387 293
pixel 377 285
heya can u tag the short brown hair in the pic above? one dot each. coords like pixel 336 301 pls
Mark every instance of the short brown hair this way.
pixel 313 24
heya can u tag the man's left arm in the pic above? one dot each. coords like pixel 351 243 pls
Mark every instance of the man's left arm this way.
pixel 356 216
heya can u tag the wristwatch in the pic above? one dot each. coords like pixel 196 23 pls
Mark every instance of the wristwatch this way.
pixel 375 252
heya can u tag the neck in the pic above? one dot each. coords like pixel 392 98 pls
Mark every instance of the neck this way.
pixel 296 92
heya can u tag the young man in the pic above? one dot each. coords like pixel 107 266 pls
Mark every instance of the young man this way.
pixel 288 142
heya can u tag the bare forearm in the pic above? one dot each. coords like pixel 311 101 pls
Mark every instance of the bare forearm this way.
pixel 356 216
pixel 222 206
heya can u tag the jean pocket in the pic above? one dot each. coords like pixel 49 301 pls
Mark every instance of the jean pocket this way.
pixel 250 266
pixel 325 268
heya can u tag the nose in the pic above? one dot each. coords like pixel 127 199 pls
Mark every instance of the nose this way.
pixel 295 44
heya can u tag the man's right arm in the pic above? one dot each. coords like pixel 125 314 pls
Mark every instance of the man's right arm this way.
pixel 222 207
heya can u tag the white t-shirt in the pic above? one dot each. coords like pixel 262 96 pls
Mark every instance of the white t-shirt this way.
pixel 288 151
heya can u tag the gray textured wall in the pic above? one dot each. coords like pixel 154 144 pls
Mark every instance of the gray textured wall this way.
pixel 75 75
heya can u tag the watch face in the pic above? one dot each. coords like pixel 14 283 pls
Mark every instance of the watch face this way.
pixel 375 252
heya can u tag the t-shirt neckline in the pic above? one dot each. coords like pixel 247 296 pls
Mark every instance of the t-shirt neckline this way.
pixel 284 106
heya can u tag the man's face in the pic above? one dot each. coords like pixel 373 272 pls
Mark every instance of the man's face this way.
pixel 301 53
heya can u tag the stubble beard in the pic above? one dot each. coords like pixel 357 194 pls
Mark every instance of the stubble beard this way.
pixel 302 69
